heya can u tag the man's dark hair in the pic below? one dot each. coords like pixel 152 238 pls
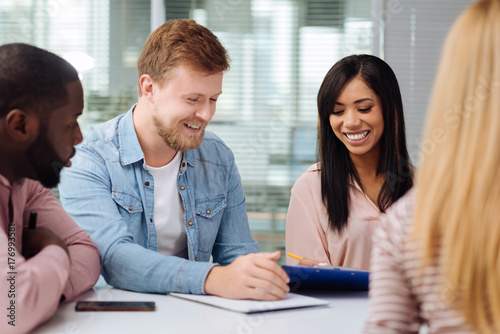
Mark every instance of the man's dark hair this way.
pixel 32 79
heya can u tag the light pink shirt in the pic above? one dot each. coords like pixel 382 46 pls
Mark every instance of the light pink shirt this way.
pixel 400 293
pixel 307 227
pixel 38 283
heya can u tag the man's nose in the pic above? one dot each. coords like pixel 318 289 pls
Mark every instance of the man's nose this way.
pixel 206 111
pixel 78 138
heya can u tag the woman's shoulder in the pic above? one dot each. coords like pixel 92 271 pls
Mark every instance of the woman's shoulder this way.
pixel 398 219
pixel 310 180
pixel 315 168
pixel 311 176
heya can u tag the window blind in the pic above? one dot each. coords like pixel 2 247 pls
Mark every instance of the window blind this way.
pixel 414 34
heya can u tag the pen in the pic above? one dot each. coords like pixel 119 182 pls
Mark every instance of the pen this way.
pixel 321 264
pixel 295 256
pixel 32 221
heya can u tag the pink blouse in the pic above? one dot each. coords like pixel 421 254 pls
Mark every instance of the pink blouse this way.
pixel 308 233
pixel 30 290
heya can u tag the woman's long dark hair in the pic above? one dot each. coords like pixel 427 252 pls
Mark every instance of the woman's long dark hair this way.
pixel 337 168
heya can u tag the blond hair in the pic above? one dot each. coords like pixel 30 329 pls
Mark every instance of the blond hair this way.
pixel 458 201
pixel 181 42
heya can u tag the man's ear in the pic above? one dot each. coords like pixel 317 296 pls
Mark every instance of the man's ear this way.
pixel 147 86
pixel 21 126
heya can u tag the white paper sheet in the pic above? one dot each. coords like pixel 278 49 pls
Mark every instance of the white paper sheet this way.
pixel 292 301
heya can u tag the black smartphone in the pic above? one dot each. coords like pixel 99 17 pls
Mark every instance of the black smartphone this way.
pixel 114 306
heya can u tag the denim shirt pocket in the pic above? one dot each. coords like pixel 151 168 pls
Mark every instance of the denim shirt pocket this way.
pixel 128 203
pixel 209 215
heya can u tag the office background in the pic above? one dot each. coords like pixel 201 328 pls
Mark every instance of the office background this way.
pixel 280 50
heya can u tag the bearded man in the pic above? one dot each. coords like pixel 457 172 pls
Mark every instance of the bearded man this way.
pixel 46 257
pixel 160 196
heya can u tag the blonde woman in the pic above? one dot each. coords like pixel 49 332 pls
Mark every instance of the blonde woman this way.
pixel 437 253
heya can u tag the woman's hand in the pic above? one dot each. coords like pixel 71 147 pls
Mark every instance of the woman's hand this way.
pixel 307 261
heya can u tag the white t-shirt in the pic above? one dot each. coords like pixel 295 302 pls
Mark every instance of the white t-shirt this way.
pixel 168 213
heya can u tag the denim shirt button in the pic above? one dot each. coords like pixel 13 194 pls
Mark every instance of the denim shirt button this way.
pixel 151 220
pixel 146 184
pixel 182 187
pixel 196 259
pixel 190 223
pixel 208 212
pixel 130 208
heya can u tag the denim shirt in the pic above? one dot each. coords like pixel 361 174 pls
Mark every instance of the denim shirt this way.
pixel 109 192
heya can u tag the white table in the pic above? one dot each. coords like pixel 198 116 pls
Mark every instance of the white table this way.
pixel 345 314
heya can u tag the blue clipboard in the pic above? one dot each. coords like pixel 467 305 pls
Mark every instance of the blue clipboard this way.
pixel 317 278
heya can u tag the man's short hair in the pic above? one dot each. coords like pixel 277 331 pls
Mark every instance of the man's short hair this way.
pixel 32 79
pixel 181 42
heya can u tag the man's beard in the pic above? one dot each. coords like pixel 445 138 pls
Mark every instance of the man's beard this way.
pixel 45 160
pixel 172 137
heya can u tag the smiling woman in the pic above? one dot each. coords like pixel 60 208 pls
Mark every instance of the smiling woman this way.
pixel 363 165
pixel 358 122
